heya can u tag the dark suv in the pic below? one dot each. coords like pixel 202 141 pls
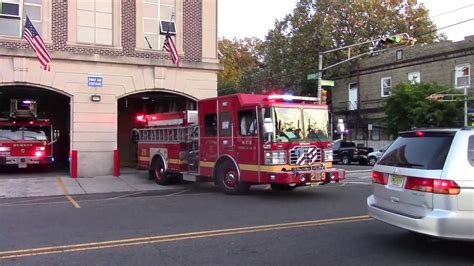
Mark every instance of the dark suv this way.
pixel 347 152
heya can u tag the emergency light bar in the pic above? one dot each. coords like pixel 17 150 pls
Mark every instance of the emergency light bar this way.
pixel 287 97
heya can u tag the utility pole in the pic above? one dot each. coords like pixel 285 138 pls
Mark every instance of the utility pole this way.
pixel 465 106
pixel 320 76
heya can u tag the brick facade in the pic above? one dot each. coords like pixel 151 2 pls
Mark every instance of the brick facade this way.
pixel 435 63
pixel 192 38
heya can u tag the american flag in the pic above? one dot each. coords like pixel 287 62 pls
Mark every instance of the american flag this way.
pixel 37 44
pixel 171 48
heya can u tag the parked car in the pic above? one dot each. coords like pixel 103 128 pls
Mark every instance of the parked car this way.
pixel 424 182
pixel 347 152
pixel 374 156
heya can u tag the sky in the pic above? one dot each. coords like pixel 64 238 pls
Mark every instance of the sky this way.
pixel 253 18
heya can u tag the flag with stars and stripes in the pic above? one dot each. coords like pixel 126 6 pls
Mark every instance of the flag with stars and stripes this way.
pixel 171 48
pixel 37 44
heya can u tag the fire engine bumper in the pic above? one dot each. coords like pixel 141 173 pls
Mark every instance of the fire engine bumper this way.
pixel 307 177
pixel 7 160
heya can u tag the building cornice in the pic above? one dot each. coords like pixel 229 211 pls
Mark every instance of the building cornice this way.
pixel 107 59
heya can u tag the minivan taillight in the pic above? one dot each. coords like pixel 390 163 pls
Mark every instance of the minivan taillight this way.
pixel 379 178
pixel 437 186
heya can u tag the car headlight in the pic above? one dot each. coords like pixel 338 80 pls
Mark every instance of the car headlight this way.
pixel 275 157
pixel 328 155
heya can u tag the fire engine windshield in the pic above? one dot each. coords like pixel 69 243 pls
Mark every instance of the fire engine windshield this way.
pixel 295 124
pixel 288 124
pixel 24 133
pixel 316 124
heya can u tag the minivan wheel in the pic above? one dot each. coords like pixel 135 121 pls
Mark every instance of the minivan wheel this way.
pixel 372 161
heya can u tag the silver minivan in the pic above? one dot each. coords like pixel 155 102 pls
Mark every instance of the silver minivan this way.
pixel 424 182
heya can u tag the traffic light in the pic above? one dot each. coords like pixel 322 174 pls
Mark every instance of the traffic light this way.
pixel 470 120
pixel 435 97
pixel 395 40
pixel 324 96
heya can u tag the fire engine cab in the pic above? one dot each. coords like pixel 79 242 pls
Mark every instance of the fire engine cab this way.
pixel 25 139
pixel 241 140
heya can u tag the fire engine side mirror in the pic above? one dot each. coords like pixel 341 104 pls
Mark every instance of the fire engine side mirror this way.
pixel 267 126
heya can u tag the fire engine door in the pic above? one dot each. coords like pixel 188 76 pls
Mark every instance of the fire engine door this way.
pixel 226 128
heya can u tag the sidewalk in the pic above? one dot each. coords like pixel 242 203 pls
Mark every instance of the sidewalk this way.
pixel 130 180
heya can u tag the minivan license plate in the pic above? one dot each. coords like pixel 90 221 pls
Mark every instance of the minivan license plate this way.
pixel 396 180
pixel 22 165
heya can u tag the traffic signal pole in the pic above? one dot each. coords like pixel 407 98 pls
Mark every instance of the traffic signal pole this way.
pixel 397 40
pixel 438 97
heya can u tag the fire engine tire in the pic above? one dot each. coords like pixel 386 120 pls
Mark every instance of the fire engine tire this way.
pixel 158 172
pixel 282 187
pixel 227 178
pixel 346 159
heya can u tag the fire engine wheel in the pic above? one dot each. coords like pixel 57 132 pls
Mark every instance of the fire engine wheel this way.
pixel 228 179
pixel 158 172
pixel 282 187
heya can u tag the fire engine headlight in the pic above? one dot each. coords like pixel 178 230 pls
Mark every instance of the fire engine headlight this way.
pixel 328 155
pixel 275 157
pixel 4 149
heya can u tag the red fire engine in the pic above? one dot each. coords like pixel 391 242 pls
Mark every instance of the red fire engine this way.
pixel 241 140
pixel 25 139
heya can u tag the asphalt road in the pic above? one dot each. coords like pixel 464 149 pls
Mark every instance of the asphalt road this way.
pixel 198 225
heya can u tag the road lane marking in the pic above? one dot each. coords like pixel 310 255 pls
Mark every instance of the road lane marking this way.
pixel 66 193
pixel 358 171
pixel 10 254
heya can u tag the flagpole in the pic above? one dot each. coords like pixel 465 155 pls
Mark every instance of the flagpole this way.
pixel 22 18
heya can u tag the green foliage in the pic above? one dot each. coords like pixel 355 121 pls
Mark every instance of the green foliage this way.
pixel 407 107
pixel 238 57
pixel 290 50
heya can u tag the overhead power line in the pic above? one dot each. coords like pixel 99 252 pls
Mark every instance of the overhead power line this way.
pixel 454 10
pixel 445 27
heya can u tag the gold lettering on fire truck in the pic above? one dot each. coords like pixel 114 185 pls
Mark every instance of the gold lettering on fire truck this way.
pixel 313 177
pixel 143 152
pixel 248 145
pixel 22 145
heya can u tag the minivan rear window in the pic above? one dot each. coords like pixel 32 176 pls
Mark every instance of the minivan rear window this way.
pixel 420 150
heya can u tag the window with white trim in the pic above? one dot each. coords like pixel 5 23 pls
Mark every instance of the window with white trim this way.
pixel 414 77
pixel 95 21
pixel 10 16
pixel 154 12
pixel 462 76
pixel 385 86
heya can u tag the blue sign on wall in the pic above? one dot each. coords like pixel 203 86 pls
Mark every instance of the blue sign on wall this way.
pixel 94 80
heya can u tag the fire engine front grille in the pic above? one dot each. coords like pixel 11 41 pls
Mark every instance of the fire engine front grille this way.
pixel 301 155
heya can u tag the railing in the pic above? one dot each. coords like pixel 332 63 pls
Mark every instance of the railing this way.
pixel 169 134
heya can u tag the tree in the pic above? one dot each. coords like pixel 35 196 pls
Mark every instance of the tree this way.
pixel 407 107
pixel 239 57
pixel 291 48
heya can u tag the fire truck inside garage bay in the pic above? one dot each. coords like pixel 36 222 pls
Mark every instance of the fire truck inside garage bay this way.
pixel 240 140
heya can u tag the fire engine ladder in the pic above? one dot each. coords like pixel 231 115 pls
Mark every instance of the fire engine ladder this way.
pixel 168 134
pixel 182 134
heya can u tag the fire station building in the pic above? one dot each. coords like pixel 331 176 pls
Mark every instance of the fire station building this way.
pixel 108 65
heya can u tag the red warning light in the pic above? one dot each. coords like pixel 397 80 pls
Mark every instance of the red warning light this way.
pixel 420 134
pixel 140 118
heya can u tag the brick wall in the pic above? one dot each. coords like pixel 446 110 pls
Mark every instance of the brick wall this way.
pixel 192 39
